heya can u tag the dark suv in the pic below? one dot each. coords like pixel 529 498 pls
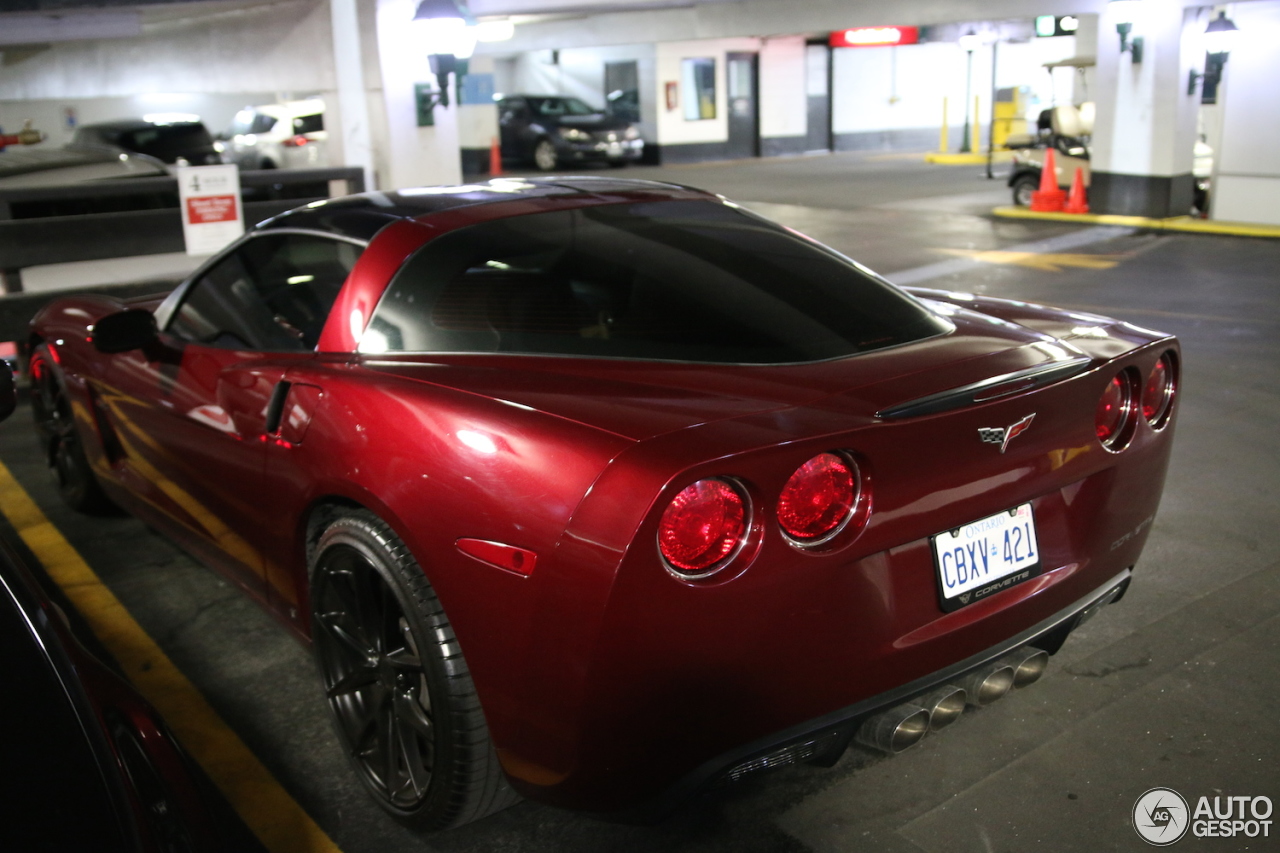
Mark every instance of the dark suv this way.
pixel 165 141
pixel 555 130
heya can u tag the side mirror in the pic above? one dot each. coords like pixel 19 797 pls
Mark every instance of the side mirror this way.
pixel 127 330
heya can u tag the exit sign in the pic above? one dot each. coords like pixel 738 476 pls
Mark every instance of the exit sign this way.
pixel 875 36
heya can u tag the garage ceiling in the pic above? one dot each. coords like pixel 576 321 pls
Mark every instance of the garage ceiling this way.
pixel 44 22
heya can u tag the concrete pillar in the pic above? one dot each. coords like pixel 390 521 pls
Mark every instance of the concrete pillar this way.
pixel 1144 133
pixel 1246 179
pixel 356 141
pixel 478 122
pixel 417 156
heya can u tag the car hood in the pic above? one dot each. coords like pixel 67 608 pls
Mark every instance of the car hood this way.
pixel 642 400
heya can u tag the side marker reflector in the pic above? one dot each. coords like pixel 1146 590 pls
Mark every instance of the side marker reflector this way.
pixel 520 561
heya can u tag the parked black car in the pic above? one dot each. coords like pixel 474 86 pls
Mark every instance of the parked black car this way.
pixel 556 130
pixel 46 167
pixel 88 763
pixel 164 140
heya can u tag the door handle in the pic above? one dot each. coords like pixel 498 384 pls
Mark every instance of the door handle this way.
pixel 275 407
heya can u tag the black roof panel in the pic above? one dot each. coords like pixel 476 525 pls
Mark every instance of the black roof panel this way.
pixel 363 215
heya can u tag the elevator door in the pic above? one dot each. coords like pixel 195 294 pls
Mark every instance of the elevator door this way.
pixel 817 85
pixel 744 115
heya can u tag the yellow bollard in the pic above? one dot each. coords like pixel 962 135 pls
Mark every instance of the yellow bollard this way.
pixel 942 140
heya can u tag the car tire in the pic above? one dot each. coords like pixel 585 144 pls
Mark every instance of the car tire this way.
pixel 397 685
pixel 60 437
pixel 267 163
pixel 1023 186
pixel 544 155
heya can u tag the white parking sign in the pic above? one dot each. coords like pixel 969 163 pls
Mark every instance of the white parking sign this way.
pixel 212 215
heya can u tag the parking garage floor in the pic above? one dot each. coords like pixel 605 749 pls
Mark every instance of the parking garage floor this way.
pixel 1172 687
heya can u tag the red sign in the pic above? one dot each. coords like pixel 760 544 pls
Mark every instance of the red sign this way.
pixel 875 36
pixel 211 208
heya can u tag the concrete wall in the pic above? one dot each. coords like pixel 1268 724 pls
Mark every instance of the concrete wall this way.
pixel 783 112
pixel 210 65
pixel 673 128
pixel 1246 181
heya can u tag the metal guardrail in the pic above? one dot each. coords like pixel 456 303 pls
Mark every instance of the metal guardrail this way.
pixel 138 216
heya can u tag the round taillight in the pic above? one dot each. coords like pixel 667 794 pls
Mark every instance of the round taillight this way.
pixel 819 498
pixel 1114 418
pixel 1157 392
pixel 702 527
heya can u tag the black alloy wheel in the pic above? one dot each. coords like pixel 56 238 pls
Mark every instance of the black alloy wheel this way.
pixel 397 685
pixel 59 436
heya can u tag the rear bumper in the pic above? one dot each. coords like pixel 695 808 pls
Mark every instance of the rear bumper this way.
pixel 824 739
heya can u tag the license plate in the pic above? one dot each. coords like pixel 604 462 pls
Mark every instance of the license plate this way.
pixel 983 557
pixel 615 147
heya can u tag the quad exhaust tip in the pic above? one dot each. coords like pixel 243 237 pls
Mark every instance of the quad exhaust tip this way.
pixel 1028 665
pixel 904 726
pixel 945 705
pixel 894 730
pixel 988 683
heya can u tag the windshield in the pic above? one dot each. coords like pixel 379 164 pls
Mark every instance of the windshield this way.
pixel 561 107
pixel 671 280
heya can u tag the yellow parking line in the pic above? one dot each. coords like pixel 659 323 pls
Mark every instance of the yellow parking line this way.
pixel 268 810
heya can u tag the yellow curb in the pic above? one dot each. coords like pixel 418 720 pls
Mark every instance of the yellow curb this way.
pixel 266 808
pixel 1187 224
pixel 943 159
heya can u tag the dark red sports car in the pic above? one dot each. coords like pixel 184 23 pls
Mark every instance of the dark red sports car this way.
pixel 605 491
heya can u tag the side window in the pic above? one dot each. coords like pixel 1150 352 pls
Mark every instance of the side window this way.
pixel 308 124
pixel 272 294
pixel 262 123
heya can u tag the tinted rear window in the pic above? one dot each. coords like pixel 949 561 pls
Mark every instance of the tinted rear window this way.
pixel 168 142
pixel 671 280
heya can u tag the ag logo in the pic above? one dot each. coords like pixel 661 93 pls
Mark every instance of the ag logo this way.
pixel 1161 817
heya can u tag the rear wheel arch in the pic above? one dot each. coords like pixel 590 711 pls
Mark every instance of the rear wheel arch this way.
pixel 395 678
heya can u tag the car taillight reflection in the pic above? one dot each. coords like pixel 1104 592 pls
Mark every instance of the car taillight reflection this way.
pixel 1157 392
pixel 295 141
pixel 819 499
pixel 703 527
pixel 1115 416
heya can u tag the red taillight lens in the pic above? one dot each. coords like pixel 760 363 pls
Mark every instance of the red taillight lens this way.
pixel 819 498
pixel 1115 413
pixel 295 141
pixel 703 526
pixel 1157 393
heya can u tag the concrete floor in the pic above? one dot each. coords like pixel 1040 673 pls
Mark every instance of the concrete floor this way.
pixel 1172 687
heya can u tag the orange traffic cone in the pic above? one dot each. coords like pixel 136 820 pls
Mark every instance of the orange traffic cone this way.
pixel 1077 202
pixel 1050 196
pixel 495 158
